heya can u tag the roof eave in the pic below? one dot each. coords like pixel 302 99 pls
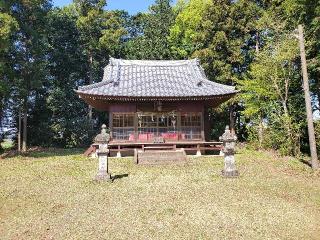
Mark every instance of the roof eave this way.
pixel 154 98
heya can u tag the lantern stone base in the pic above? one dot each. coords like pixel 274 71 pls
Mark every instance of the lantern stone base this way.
pixel 229 169
pixel 103 176
pixel 230 174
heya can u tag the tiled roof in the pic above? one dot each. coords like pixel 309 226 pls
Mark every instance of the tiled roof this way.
pixel 155 79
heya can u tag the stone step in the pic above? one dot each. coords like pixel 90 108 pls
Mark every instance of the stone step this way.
pixel 154 157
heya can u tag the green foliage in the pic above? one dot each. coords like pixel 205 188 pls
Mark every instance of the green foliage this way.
pixel 153 43
pixel 275 133
pixel 67 124
pixel 29 49
pixel 185 31
pixel 269 93
pixel 8 25
pixel 98 29
pixel 272 94
pixel 46 53
pixel 24 71
pixel 220 33
pixel 269 76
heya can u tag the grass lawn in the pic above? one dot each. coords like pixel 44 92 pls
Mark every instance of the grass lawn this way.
pixel 52 196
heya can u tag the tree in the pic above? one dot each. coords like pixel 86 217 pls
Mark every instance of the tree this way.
pixel 271 92
pixel 307 13
pixel 185 32
pixel 312 141
pixel 66 122
pixel 283 17
pixel 27 54
pixel 100 35
pixel 152 42
pixel 223 35
pixel 7 27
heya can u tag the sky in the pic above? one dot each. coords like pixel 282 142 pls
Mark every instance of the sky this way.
pixel 132 6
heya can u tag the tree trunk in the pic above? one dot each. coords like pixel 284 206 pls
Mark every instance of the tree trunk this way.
pixel 257 42
pixel 312 140
pixel 288 125
pixel 1 138
pixel 260 131
pixel 232 122
pixel 238 122
pixel 24 134
pixel 260 127
pixel 1 126
pixel 19 131
pixel 90 82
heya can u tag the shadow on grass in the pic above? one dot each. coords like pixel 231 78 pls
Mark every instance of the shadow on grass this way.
pixel 119 176
pixel 43 153
pixel 308 163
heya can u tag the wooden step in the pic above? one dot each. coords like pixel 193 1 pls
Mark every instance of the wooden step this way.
pixel 89 151
pixel 158 147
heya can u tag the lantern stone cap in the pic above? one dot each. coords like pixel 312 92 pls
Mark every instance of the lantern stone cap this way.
pixel 103 137
pixel 227 136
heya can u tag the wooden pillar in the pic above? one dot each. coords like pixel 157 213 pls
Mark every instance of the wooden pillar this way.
pixel 110 123
pixel 202 125
pixel 135 122
pixel 179 125
pixel 198 150
pixel 206 125
pixel 135 156
pixel 119 152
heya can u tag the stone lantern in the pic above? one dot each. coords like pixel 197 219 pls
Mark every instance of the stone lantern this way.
pixel 229 144
pixel 102 140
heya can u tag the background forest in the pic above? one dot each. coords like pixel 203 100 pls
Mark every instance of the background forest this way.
pixel 47 52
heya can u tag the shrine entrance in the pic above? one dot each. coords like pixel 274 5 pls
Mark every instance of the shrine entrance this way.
pixel 145 126
pixel 157 125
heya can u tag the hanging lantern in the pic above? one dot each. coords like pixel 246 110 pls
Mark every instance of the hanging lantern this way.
pixel 140 119
pixel 173 120
pixel 173 123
